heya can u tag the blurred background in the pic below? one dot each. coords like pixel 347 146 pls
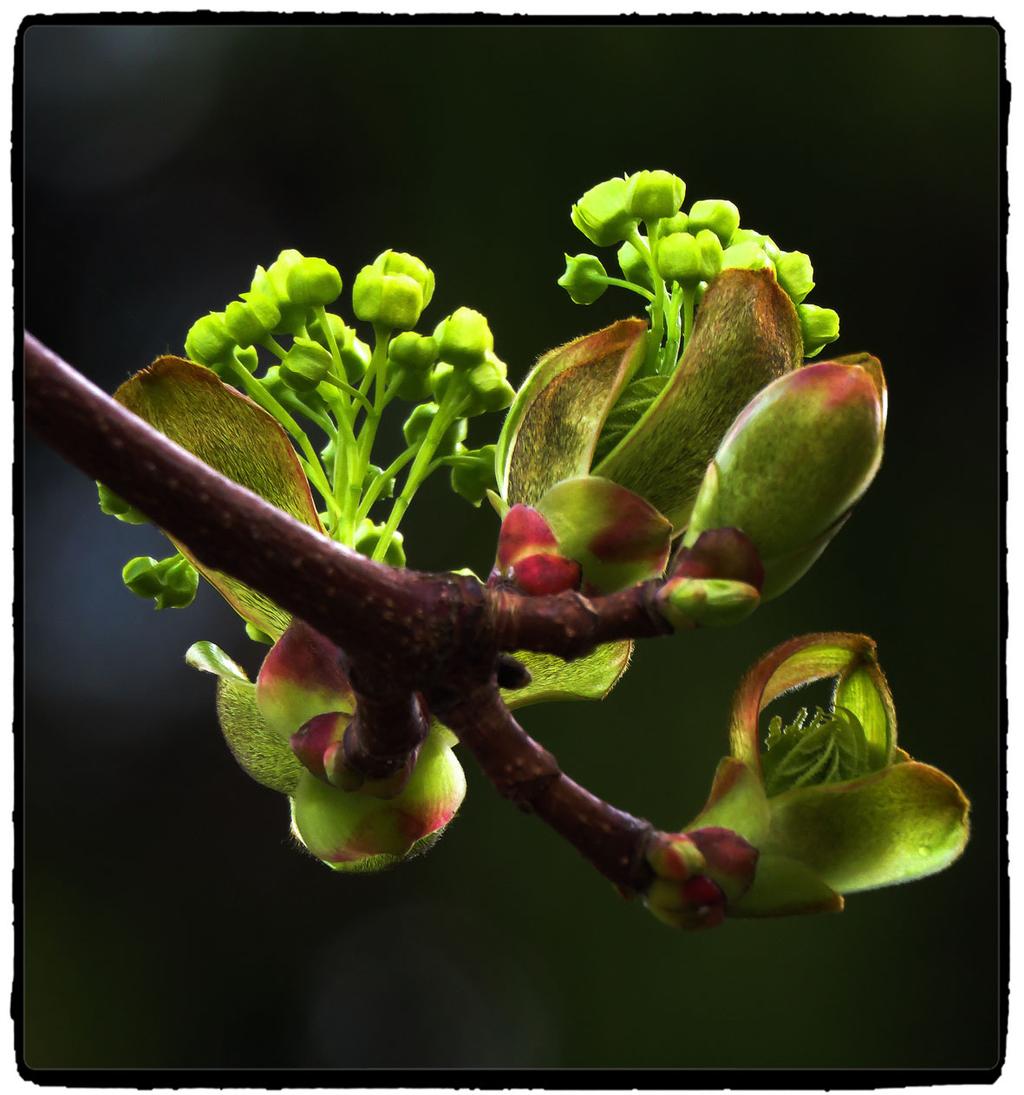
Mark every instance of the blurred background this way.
pixel 168 921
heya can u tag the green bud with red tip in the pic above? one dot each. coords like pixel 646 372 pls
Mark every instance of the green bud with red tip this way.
pixel 698 874
pixel 356 831
pixel 794 462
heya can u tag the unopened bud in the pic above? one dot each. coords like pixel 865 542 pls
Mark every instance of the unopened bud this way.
pixel 208 341
pixel 465 338
pixel 387 300
pixel 651 195
pixel 399 262
pixel 306 364
pixel 818 327
pixel 601 214
pixel 171 582
pixel 585 278
pixel 722 217
pixel 313 282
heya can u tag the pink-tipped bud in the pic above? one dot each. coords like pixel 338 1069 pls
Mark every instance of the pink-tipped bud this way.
pixel 697 875
pixel 528 555
pixel 312 742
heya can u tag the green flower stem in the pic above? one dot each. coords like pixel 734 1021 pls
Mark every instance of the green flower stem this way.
pixel 623 284
pixel 689 300
pixel 274 347
pixel 314 469
pixel 374 489
pixel 671 351
pixel 353 393
pixel 368 432
pixel 658 302
pixel 447 413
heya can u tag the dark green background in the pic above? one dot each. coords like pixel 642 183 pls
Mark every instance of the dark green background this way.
pixel 167 920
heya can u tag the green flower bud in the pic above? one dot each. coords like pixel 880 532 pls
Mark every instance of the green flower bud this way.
pixel 313 281
pixel 171 583
pixel 208 341
pixel 276 279
pixel 818 326
pixel 651 195
pixel 465 338
pixel 368 536
pixel 722 217
pixel 488 386
pixel 584 278
pixel 678 223
pixel 746 256
pixel 372 473
pixel 387 300
pixel 251 319
pixel 795 274
pixel 419 422
pixel 398 262
pixel 306 402
pixel 306 364
pixel 601 213
pixel 441 378
pixel 410 357
pixel 679 258
pixel 248 358
pixel 115 506
pixel 710 248
pixel 474 475
pixel 413 351
pixel 634 266
pixel 337 328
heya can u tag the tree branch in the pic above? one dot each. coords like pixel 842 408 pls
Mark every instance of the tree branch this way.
pixel 438 634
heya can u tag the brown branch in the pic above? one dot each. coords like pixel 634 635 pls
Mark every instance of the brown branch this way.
pixel 527 774
pixel 438 634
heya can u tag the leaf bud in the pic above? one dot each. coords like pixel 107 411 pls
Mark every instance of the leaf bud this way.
pixel 706 602
pixel 585 278
pixel 818 326
pixel 651 195
pixel 251 319
pixel 368 537
pixel 601 214
pixel 356 831
pixel 393 301
pixel 795 274
pixel 722 217
pixel 305 365
pixel 115 506
pixel 171 582
pixel 634 266
pixel 311 282
pixel 208 341
pixel 399 262
pixel 528 556
pixel 794 462
pixel 465 338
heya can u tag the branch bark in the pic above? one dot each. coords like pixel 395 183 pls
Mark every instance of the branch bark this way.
pixel 437 634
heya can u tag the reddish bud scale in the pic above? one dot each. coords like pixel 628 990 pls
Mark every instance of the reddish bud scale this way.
pixel 311 743
pixel 539 575
pixel 721 553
